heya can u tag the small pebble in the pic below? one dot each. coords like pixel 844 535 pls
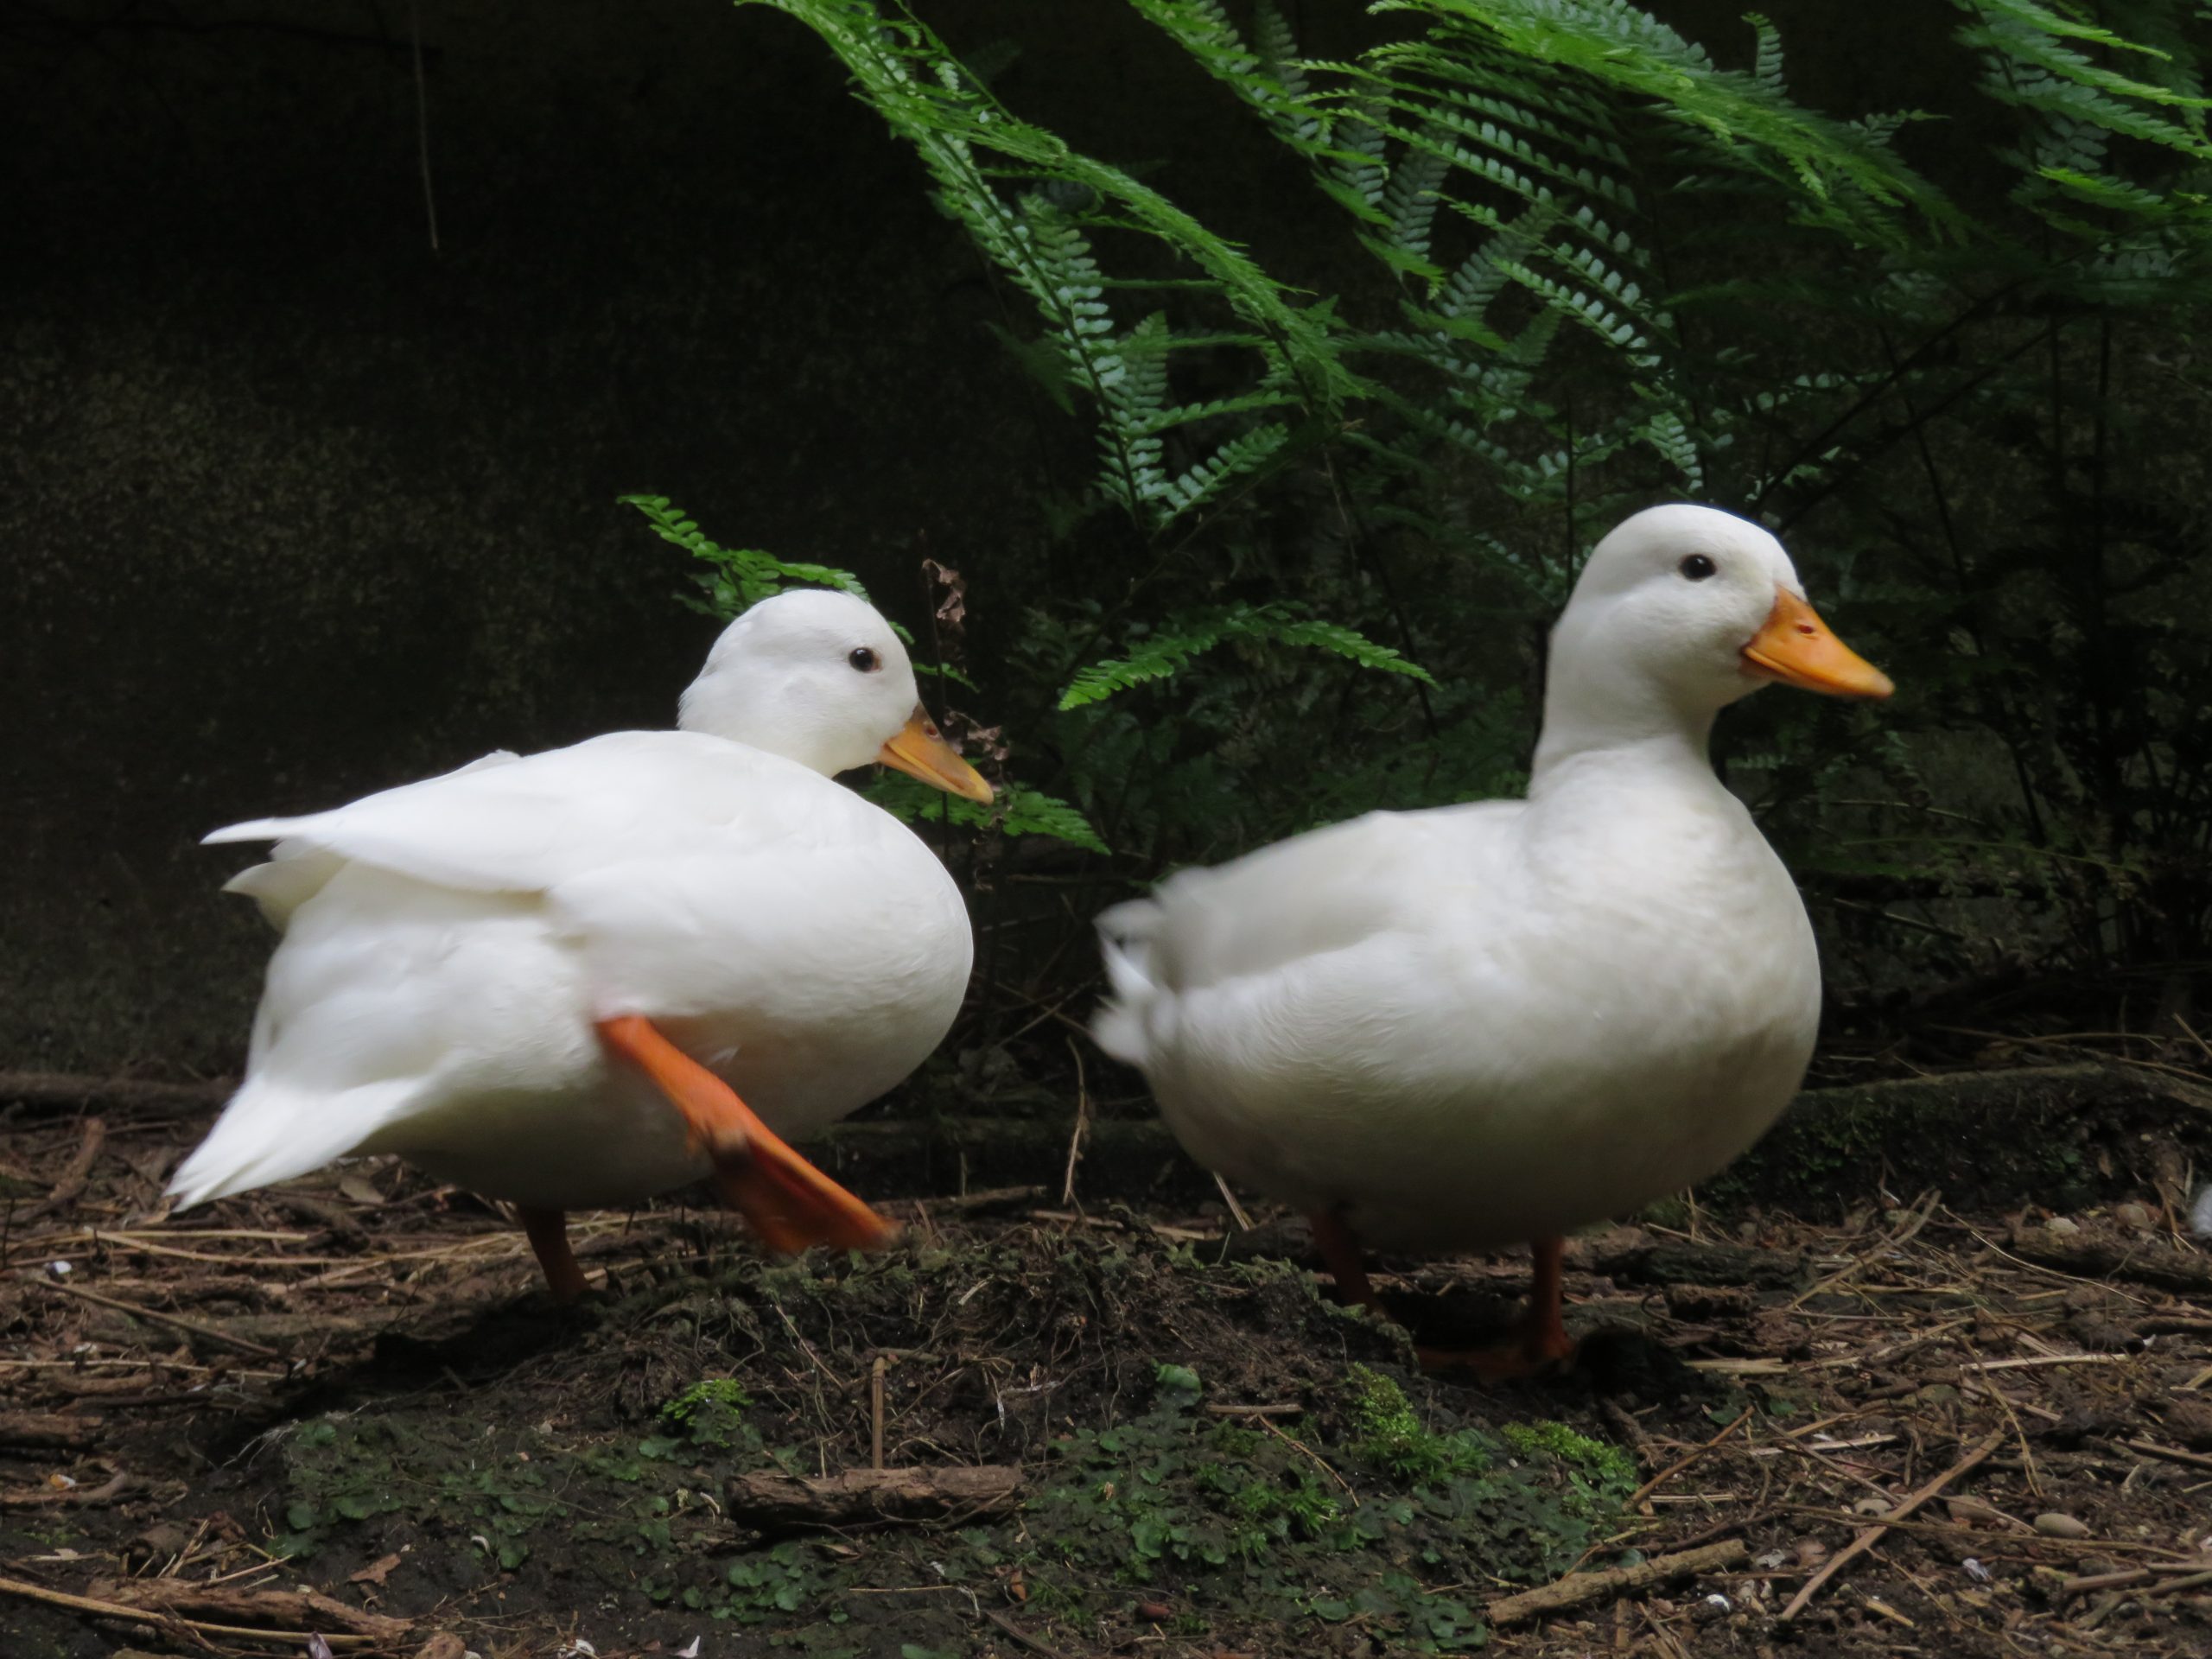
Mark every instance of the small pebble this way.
pixel 2060 1225
pixel 2133 1216
pixel 2052 1524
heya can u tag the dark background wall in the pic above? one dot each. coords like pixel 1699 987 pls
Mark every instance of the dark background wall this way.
pixel 293 506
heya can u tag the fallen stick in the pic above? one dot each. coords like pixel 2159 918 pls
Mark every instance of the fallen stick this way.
pixel 2044 1362
pixel 2008 1543
pixel 47 1429
pixel 2172 1586
pixel 1866 1540
pixel 2171 1453
pixel 2118 1580
pixel 997 1200
pixel 2096 1258
pixel 190 1327
pixel 1684 1462
pixel 74 1178
pixel 117 1488
pixel 1579 1589
pixel 876 1413
pixel 2132 1575
pixel 1640 1259
pixel 306 1609
pixel 1018 1635
pixel 155 1620
pixel 864 1498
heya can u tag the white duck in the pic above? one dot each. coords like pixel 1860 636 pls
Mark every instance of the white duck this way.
pixel 1457 1028
pixel 552 979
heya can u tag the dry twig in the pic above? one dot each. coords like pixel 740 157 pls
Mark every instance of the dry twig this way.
pixel 1580 1589
pixel 387 1630
pixel 1866 1540
pixel 177 1321
pixel 1679 1464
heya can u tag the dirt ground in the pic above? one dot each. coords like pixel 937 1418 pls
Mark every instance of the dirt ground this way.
pixel 342 1416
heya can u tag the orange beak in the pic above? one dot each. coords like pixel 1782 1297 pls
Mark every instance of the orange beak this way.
pixel 921 750
pixel 1797 648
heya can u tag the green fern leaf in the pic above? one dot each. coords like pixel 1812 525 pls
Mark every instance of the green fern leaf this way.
pixel 1019 811
pixel 740 576
pixel 1163 654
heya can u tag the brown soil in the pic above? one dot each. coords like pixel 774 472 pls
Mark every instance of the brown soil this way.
pixel 354 1387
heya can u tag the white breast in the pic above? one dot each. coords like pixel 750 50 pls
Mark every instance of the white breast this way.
pixel 1477 1025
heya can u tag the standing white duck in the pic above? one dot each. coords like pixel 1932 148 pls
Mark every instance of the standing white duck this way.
pixel 573 980
pixel 1457 1028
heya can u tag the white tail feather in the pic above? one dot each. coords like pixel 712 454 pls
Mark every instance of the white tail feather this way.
pixel 268 1134
pixel 286 881
pixel 1120 1025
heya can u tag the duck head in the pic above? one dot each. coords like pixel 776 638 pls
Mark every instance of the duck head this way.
pixel 819 678
pixel 1679 611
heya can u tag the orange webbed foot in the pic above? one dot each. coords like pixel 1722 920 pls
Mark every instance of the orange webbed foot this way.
pixel 789 1202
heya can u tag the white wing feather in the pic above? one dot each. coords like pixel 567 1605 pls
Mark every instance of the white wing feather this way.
pixel 510 824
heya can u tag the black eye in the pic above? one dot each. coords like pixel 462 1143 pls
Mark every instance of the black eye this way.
pixel 1697 567
pixel 863 659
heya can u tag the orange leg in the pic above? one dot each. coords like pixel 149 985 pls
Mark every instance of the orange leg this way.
pixel 1339 1252
pixel 1543 1342
pixel 787 1201
pixel 548 1231
pixel 1544 1337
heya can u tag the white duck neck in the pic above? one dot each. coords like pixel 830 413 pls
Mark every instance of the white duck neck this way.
pixel 1612 712
pixel 762 714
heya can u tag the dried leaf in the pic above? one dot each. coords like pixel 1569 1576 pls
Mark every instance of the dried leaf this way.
pixel 360 1189
pixel 376 1571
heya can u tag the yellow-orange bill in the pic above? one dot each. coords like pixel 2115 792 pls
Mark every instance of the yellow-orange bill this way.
pixel 1795 647
pixel 921 750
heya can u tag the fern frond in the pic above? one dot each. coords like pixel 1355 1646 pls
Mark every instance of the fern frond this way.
pixel 1841 178
pixel 1265 74
pixel 1410 200
pixel 1025 811
pixel 2025 33
pixel 740 576
pixel 1766 67
pixel 1018 810
pixel 1164 653
pixel 1249 456
pixel 1033 205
